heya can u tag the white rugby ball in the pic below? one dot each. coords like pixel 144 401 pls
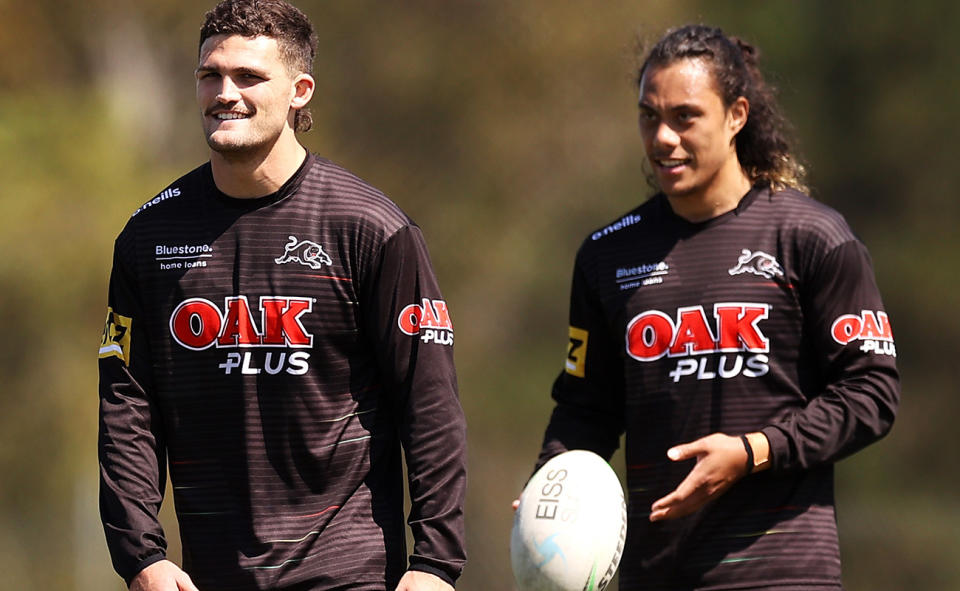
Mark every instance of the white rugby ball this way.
pixel 569 530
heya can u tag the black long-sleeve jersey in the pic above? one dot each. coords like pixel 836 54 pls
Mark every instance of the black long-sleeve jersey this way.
pixel 764 318
pixel 276 353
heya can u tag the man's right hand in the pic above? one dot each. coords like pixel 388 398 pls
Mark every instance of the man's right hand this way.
pixel 162 576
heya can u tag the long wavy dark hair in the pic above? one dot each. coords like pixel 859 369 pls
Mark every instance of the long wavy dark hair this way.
pixel 764 143
pixel 276 19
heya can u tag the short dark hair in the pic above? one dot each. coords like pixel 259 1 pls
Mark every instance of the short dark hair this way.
pixel 764 143
pixel 276 19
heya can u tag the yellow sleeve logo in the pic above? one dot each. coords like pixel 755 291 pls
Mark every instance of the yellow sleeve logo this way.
pixel 576 364
pixel 115 341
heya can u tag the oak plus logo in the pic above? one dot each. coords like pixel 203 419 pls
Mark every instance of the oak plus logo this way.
pixel 304 252
pixel 198 324
pixel 869 327
pixel 758 263
pixel 430 319
pixel 733 332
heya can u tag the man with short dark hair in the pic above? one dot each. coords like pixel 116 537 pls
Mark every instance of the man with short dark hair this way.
pixel 276 336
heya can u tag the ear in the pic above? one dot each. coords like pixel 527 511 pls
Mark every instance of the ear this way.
pixel 737 115
pixel 303 86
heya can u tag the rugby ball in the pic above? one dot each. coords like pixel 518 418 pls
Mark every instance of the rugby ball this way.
pixel 569 530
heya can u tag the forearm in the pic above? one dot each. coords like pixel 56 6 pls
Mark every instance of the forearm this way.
pixel 850 351
pixel 408 325
pixel 132 464
pixel 435 446
pixel 574 427
pixel 843 420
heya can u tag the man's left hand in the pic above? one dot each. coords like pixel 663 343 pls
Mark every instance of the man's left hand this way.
pixel 414 580
pixel 721 461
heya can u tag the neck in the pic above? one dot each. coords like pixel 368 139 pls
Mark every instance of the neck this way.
pixel 722 194
pixel 248 175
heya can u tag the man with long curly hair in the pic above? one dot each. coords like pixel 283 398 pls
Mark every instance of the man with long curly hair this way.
pixel 731 326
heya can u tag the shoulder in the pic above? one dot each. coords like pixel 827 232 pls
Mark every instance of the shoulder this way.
pixel 171 202
pixel 345 195
pixel 636 221
pixel 813 233
pixel 627 228
pixel 809 219
pixel 174 199
pixel 179 190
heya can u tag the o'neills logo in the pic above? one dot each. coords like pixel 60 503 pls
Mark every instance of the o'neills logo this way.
pixel 430 319
pixel 689 336
pixel 873 328
pixel 620 224
pixel 198 324
pixel 166 194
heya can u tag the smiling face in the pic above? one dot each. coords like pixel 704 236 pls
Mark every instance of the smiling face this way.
pixel 688 132
pixel 247 96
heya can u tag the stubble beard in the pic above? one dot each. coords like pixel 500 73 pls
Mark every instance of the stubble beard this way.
pixel 248 146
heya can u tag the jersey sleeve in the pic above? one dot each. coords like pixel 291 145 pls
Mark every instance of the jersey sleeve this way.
pixel 412 333
pixel 589 392
pixel 852 342
pixel 130 447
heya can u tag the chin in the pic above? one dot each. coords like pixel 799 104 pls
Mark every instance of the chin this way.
pixel 676 189
pixel 227 148
pixel 230 145
pixel 681 187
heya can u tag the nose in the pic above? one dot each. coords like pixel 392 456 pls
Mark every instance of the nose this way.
pixel 228 92
pixel 664 136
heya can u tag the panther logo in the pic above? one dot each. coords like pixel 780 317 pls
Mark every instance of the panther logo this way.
pixel 758 263
pixel 304 252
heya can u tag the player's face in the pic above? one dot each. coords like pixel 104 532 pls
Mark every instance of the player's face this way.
pixel 687 131
pixel 245 93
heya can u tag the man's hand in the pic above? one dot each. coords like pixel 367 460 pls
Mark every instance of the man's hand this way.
pixel 414 580
pixel 721 461
pixel 162 576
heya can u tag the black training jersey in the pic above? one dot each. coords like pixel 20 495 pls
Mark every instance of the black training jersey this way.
pixel 764 318
pixel 277 352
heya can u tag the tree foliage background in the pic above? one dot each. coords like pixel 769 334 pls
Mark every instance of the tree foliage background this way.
pixel 507 130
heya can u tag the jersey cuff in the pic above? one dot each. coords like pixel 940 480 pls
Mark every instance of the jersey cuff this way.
pixel 144 564
pixel 426 568
pixel 779 447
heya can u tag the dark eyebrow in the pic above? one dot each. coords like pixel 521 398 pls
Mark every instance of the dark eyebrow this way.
pixel 254 71
pixel 672 108
pixel 691 107
pixel 240 70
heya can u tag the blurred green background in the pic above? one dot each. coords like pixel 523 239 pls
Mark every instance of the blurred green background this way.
pixel 507 130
